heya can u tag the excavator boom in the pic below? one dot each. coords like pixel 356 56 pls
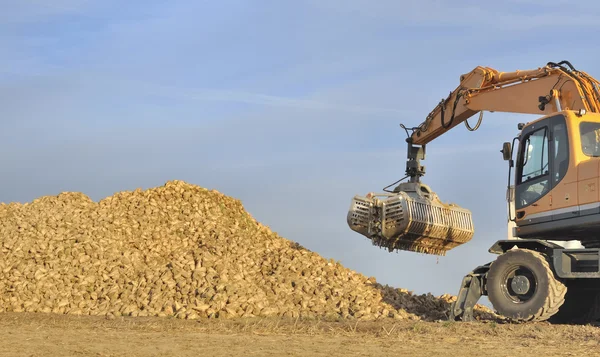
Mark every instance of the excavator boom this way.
pixel 543 91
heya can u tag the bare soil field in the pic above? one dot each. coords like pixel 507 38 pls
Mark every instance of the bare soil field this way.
pixel 39 334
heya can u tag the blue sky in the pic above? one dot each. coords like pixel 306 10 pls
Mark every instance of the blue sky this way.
pixel 292 107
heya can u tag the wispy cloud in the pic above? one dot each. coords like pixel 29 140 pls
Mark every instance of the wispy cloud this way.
pixel 266 100
pixel 27 11
pixel 435 13
pixel 62 89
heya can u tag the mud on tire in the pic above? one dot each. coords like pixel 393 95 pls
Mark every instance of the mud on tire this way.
pixel 522 287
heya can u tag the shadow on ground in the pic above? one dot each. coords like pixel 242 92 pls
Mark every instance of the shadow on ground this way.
pixel 427 306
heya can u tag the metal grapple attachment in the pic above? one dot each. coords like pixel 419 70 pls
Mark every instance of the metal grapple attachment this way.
pixel 412 218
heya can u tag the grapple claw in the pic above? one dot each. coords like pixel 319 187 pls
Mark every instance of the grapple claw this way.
pixel 412 218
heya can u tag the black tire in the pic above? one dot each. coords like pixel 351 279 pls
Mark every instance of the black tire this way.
pixel 541 293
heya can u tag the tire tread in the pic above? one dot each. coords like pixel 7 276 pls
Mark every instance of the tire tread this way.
pixel 556 290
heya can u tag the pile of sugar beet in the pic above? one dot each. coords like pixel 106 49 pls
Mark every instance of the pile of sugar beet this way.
pixel 178 250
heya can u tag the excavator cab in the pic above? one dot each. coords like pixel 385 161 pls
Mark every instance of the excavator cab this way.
pixel 556 178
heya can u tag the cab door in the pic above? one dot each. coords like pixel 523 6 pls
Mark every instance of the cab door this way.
pixel 533 179
pixel 565 196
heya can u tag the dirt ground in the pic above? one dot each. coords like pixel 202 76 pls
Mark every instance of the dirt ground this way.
pixel 61 335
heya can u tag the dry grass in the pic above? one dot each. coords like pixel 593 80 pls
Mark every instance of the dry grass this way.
pixel 309 327
pixel 38 334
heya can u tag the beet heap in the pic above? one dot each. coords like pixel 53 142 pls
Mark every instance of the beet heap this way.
pixel 177 250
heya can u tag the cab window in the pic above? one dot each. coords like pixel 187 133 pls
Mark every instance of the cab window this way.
pixel 561 151
pixel 590 138
pixel 535 156
pixel 532 171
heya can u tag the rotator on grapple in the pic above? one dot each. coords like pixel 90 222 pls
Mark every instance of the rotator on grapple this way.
pixel 549 267
pixel 411 217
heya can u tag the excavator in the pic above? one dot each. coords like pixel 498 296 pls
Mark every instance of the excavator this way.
pixel 548 268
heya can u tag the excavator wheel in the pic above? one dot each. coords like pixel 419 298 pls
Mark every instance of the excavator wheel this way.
pixel 522 287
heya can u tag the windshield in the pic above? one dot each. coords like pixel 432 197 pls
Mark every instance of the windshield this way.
pixel 535 158
pixel 590 138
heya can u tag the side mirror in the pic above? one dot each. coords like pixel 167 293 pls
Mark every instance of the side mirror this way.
pixel 506 151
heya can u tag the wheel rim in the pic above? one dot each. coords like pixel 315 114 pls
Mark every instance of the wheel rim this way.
pixel 519 284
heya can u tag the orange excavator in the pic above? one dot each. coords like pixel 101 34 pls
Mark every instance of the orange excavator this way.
pixel 549 267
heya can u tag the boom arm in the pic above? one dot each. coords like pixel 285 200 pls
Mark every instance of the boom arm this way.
pixel 545 90
pixel 539 91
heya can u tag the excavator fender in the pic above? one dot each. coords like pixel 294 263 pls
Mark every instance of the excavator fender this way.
pixel 538 245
